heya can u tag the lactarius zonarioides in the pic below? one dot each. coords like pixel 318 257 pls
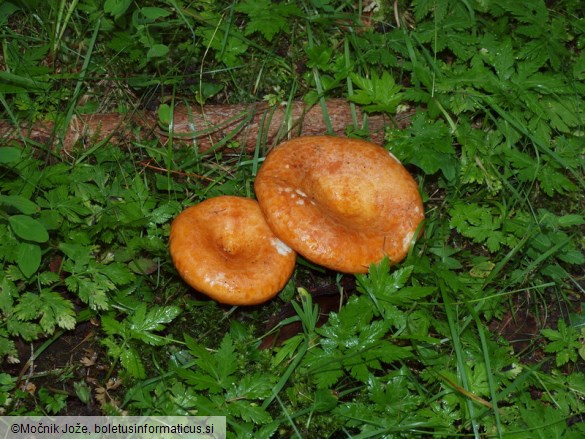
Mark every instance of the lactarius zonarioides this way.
pixel 223 248
pixel 341 203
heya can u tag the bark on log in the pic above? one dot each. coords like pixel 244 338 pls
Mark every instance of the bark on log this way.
pixel 208 127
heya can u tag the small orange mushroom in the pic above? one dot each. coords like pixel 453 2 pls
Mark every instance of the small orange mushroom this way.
pixel 223 248
pixel 341 203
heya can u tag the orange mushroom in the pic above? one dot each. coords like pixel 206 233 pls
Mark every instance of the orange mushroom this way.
pixel 223 248
pixel 341 203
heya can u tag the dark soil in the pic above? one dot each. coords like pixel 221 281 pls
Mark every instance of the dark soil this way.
pixel 75 358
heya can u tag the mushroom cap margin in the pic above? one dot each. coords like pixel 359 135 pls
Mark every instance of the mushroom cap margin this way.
pixel 341 203
pixel 223 248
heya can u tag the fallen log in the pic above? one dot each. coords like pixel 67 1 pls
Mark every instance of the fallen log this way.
pixel 208 128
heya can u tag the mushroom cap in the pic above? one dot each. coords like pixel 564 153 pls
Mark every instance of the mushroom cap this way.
pixel 341 203
pixel 223 248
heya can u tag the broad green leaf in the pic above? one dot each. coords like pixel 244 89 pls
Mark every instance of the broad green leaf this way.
pixel 82 391
pixel 118 273
pixel 116 7
pixel 165 115
pixel 149 338
pixel 154 319
pixel 52 308
pixel 551 334
pixel 48 278
pixel 28 258
pixel 7 347
pixel 157 51
pixel 319 57
pixel 9 154
pixel 549 422
pixel 28 331
pixel 143 265
pixel 480 223
pixel 324 400
pixel 376 94
pixel 571 220
pixel 482 269
pixel 56 311
pixel 564 342
pixel 554 181
pixel 29 307
pixel 153 13
pixel 572 256
pixel 185 398
pixel 89 291
pixel 225 358
pixel 504 59
pixel 249 412
pixel 77 252
pixel 111 326
pixel 370 334
pixel 227 50
pixel 165 212
pixel 9 294
pixel 208 90
pixel 130 360
pixel 325 368
pixel 200 380
pixel 388 352
pixel 254 386
pixel 195 348
pixel 380 284
pixel 28 228
pixel 427 144
pixel 360 370
pixel 267 17
pixel 24 205
pixel 579 67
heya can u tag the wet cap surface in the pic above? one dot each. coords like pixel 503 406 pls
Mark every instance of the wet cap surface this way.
pixel 223 248
pixel 341 203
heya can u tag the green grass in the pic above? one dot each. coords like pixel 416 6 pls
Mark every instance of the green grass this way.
pixel 478 333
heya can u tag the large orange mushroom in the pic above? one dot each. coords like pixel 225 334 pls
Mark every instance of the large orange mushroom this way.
pixel 341 203
pixel 223 248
